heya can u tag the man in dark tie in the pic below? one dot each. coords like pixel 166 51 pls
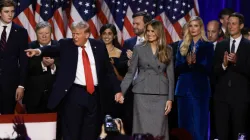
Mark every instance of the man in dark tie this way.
pixel 232 94
pixel 140 19
pixel 84 67
pixel 13 61
pixel 213 32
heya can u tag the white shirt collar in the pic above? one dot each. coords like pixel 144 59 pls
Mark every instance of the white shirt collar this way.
pixel 140 39
pixel 215 44
pixel 223 29
pixel 46 45
pixel 87 44
pixel 8 25
pixel 238 39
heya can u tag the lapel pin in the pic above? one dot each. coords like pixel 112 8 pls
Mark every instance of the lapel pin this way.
pixel 95 47
pixel 15 30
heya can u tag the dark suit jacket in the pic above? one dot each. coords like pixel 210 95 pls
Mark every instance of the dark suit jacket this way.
pixel 128 45
pixel 13 61
pixel 232 84
pixel 194 79
pixel 39 82
pixel 66 75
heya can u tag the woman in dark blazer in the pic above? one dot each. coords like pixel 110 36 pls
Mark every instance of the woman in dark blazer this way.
pixel 153 86
pixel 194 63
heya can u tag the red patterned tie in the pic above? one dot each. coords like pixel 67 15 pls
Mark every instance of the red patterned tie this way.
pixel 3 38
pixel 87 72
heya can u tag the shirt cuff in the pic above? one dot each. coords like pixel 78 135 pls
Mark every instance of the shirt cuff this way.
pixel 224 68
pixel 53 71
pixel 43 67
pixel 21 86
pixel 39 52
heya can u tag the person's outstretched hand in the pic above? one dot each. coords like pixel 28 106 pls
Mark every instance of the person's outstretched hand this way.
pixel 19 127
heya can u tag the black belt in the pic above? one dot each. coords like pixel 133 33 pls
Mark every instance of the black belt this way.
pixel 82 86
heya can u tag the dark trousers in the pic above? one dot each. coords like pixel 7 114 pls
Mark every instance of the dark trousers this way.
pixel 128 111
pixel 213 134
pixel 7 103
pixel 80 114
pixel 193 116
pixel 230 119
pixel 41 107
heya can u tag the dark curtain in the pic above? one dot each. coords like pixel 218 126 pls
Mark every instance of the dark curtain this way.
pixel 209 9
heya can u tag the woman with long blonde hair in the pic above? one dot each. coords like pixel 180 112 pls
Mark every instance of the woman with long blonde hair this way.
pixel 194 63
pixel 153 87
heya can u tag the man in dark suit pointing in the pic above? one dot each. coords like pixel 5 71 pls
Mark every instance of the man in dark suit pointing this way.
pixel 84 67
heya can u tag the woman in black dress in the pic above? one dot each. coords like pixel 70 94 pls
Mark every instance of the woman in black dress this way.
pixel 108 35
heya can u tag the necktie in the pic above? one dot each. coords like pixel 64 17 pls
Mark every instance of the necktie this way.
pixel 233 47
pixel 3 38
pixel 87 72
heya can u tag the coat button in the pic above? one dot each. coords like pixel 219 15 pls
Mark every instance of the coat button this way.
pixel 66 90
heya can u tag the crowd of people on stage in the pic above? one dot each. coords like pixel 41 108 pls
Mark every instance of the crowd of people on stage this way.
pixel 204 78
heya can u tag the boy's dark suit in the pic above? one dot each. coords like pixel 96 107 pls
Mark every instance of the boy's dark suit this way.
pixel 13 66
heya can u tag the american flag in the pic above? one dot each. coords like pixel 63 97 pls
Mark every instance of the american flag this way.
pixel 61 13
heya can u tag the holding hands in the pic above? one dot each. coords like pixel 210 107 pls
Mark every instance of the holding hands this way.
pixel 119 98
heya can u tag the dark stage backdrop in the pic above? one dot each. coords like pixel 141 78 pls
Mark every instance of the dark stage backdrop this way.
pixel 209 9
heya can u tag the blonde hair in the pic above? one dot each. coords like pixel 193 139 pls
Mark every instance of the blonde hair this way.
pixel 164 51
pixel 188 38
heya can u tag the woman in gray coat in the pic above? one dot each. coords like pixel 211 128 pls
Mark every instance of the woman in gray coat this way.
pixel 153 87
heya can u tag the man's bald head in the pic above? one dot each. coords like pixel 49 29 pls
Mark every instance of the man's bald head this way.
pixel 213 30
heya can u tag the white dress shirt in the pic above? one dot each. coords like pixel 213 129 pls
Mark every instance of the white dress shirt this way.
pixel 215 44
pixel 80 74
pixel 223 30
pixel 139 40
pixel 53 71
pixel 237 43
pixel 8 28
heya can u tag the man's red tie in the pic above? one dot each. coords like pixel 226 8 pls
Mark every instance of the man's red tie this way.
pixel 87 72
pixel 3 38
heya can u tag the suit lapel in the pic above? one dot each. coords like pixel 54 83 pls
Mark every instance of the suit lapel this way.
pixel 133 42
pixel 94 50
pixel 151 58
pixel 37 45
pixel 240 47
pixel 227 46
pixel 12 34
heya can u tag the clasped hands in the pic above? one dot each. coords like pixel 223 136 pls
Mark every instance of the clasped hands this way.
pixel 229 58
pixel 119 98
pixel 47 61
pixel 191 58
